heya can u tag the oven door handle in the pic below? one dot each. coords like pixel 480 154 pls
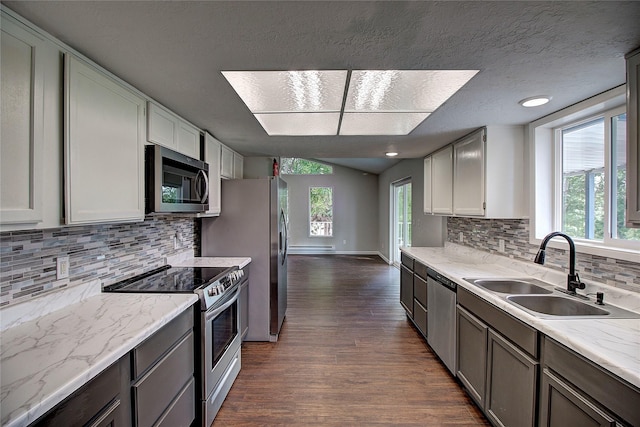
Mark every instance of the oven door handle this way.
pixel 213 313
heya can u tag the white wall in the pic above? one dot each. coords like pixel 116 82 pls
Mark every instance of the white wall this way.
pixel 355 206
pixel 427 230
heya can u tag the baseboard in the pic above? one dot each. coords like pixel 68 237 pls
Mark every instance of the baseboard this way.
pixel 325 251
pixel 384 258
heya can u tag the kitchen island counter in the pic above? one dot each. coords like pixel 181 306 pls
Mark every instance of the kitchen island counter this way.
pixel 46 359
pixel 613 344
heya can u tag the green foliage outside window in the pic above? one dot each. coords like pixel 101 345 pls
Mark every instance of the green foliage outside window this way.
pixel 296 166
pixel 321 211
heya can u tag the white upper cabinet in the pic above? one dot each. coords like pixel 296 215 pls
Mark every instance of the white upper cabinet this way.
pixel 22 80
pixel 489 173
pixel 212 148
pixel 468 175
pixel 427 185
pixel 104 147
pixel 226 162
pixel 442 181
pixel 633 139
pixel 238 166
pixel 169 130
pixel 188 140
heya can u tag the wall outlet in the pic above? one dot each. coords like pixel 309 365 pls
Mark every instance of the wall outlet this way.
pixel 460 237
pixel 501 245
pixel 62 267
pixel 344 242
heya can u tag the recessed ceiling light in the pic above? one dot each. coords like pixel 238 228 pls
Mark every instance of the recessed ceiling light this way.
pixel 391 154
pixel 535 101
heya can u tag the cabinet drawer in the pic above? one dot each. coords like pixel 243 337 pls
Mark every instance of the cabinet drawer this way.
pixel 420 269
pixel 420 317
pixel 99 396
pixel 406 260
pixel 183 410
pixel 147 353
pixel 420 289
pixel 612 393
pixel 519 333
pixel 155 391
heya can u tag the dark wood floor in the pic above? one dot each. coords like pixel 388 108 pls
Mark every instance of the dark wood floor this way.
pixel 347 355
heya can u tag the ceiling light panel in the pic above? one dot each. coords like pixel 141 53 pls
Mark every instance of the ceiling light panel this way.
pixel 403 90
pixel 380 123
pixel 300 124
pixel 289 91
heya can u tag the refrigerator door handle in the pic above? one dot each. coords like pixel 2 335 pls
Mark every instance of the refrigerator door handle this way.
pixel 284 241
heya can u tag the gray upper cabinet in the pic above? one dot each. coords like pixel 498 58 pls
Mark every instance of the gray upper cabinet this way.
pixel 633 139
pixel 442 181
pixel 104 147
pixel 22 77
pixel 212 149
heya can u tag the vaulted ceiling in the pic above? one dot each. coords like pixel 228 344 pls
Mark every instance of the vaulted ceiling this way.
pixel 174 51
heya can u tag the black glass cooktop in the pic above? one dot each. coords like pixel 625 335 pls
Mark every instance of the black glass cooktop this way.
pixel 169 279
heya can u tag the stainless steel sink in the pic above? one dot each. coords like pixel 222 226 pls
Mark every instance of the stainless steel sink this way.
pixel 509 286
pixel 556 305
pixel 560 307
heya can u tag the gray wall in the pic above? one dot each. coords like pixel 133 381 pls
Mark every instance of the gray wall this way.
pixel 355 206
pixel 427 230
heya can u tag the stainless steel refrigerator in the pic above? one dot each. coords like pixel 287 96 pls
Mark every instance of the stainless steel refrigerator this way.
pixel 253 222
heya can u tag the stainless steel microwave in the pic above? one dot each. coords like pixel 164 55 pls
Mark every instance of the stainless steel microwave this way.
pixel 175 182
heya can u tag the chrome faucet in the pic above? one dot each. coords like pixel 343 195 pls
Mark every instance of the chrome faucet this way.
pixel 573 280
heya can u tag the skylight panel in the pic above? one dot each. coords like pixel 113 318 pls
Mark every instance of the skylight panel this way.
pixel 300 124
pixel 380 123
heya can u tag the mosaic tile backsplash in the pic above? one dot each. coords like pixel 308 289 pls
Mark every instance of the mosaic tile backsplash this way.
pixel 485 234
pixel 108 252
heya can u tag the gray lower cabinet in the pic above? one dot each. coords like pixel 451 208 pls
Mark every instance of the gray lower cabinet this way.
pixel 406 289
pixel 500 375
pixel 103 401
pixel 472 355
pixel 563 406
pixel 511 384
pixel 163 386
pixel 576 392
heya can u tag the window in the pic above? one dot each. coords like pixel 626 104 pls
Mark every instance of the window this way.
pixel 320 211
pixel 593 184
pixel 295 166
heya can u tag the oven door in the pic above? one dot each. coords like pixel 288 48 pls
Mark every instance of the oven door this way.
pixel 221 340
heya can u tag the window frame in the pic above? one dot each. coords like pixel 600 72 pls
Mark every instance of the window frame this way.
pixel 608 220
pixel 332 212
pixel 545 172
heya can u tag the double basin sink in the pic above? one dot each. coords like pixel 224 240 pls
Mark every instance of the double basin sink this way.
pixel 529 295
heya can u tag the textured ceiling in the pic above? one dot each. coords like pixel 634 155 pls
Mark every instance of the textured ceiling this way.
pixel 174 52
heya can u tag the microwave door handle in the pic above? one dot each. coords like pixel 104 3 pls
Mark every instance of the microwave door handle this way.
pixel 205 196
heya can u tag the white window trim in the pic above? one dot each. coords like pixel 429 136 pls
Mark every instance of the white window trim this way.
pixel 544 171
pixel 333 211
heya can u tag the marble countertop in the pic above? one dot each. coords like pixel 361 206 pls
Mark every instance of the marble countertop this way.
pixel 52 346
pixel 45 359
pixel 614 344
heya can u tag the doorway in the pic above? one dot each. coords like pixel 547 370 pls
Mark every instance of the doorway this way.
pixel 400 217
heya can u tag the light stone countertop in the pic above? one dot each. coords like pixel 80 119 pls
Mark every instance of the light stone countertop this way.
pixel 46 359
pixel 614 344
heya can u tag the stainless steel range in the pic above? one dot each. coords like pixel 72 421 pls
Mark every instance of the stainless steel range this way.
pixel 217 324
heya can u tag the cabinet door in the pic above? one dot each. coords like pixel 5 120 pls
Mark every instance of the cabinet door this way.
pixel 563 406
pixel 21 127
pixel 212 156
pixel 162 127
pixel 442 181
pixel 472 355
pixel 469 175
pixel 226 162
pixel 406 289
pixel 633 139
pixel 511 384
pixel 427 186
pixel 104 157
pixel 238 166
pixel 188 140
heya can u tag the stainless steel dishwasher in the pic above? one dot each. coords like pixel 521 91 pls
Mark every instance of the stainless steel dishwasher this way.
pixel 441 318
